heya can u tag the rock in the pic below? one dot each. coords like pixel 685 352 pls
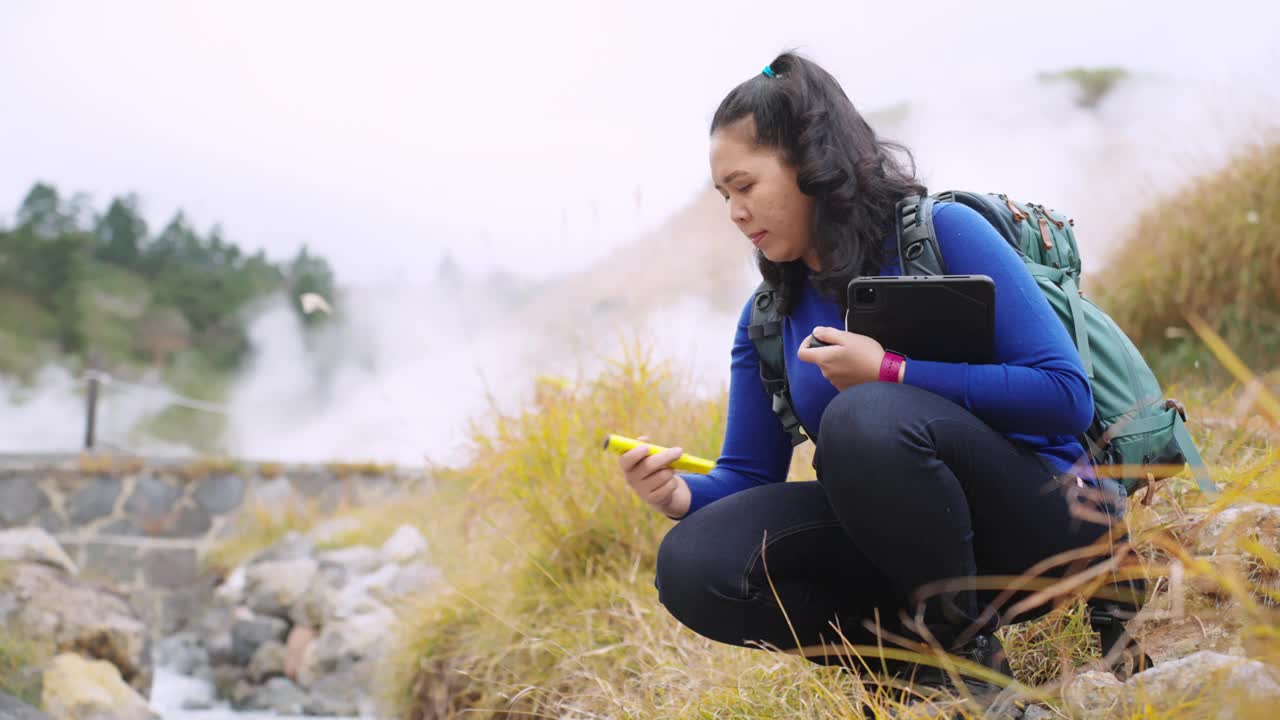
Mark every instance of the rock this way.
pixel 1095 695
pixel 356 560
pixel 249 634
pixel 219 493
pixel 231 591
pixel 1204 684
pixel 181 609
pixel 1038 712
pixel 271 588
pixel 332 529
pixel 405 544
pixel 292 546
pixel 275 493
pixel 82 618
pixel 413 579
pixel 338 667
pixel 181 653
pixel 95 500
pixel 242 694
pixel 267 662
pixel 295 648
pixel 1224 529
pixel 20 499
pixel 116 564
pixel 29 544
pixel 152 501
pixel 11 708
pixel 226 678
pixel 316 604
pixel 1229 564
pixel 338 699
pixel 79 689
pixel 279 695
pixel 170 567
pixel 1233 683
pixel 360 594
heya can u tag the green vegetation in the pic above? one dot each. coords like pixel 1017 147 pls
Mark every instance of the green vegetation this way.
pixel 77 282
pixel 1092 84
pixel 21 657
pixel 77 285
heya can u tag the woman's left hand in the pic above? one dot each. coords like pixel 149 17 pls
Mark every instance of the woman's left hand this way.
pixel 849 359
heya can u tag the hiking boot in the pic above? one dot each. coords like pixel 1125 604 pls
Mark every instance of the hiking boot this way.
pixel 993 700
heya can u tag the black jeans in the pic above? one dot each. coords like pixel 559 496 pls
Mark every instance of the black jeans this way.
pixel 911 489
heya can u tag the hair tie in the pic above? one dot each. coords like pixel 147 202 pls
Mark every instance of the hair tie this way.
pixel 768 70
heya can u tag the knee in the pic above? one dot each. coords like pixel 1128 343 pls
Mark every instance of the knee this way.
pixel 863 416
pixel 677 573
pixel 687 576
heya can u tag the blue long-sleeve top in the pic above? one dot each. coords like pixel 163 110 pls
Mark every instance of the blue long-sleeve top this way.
pixel 1035 391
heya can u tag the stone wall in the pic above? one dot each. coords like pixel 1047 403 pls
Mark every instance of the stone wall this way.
pixel 144 526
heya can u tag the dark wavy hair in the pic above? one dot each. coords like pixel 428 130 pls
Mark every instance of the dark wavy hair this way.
pixel 853 175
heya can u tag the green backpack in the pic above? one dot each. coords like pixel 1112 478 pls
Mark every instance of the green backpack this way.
pixel 1138 434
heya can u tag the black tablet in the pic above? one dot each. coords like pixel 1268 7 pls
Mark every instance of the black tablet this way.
pixel 947 318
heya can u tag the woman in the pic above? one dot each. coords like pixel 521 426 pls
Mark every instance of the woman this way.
pixel 927 472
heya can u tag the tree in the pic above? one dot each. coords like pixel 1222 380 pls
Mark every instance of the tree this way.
pixel 121 233
pixel 41 212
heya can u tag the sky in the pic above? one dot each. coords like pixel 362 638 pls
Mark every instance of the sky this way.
pixel 531 137
pixel 535 138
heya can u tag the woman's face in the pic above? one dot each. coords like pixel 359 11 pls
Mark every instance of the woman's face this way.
pixel 763 198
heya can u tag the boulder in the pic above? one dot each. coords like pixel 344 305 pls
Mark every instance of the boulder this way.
pixel 338 668
pixel 295 648
pixel 278 695
pixel 11 708
pixel 1216 685
pixel 76 688
pixel 81 618
pixel 181 652
pixel 1223 530
pixel 360 594
pixel 316 604
pixel 247 635
pixel 267 662
pixel 332 529
pixel 405 544
pixel 356 560
pixel 30 544
pixel 271 588
pixel 290 547
pixel 1095 695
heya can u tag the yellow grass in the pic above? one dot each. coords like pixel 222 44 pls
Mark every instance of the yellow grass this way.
pixel 549 608
pixel 1212 249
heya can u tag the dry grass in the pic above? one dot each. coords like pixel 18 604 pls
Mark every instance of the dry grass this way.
pixel 259 526
pixel 549 608
pixel 1212 249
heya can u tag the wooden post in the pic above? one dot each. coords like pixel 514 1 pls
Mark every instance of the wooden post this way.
pixel 91 408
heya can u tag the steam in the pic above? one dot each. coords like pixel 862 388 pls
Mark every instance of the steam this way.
pixel 404 368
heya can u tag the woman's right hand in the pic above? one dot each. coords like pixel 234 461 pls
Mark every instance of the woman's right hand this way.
pixel 653 479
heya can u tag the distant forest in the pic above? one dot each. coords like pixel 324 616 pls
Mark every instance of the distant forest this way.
pixel 78 283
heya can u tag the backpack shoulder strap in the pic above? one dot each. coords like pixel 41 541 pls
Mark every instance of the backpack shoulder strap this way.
pixel 918 250
pixel 1188 447
pixel 765 330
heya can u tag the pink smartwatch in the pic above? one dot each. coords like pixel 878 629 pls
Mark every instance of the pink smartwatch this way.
pixel 890 366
